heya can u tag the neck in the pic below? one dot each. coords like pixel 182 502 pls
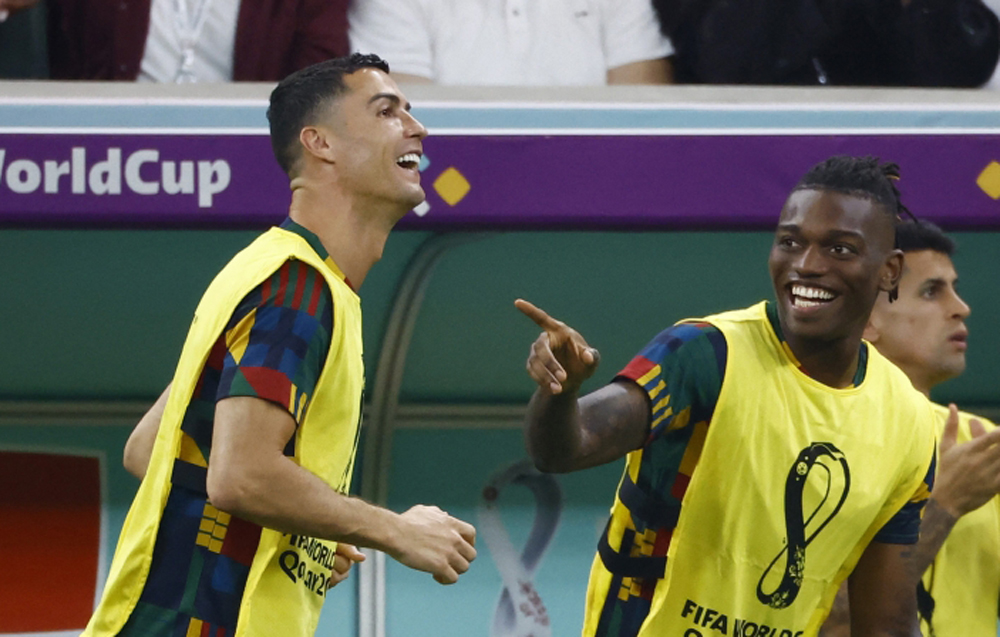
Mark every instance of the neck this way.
pixel 353 233
pixel 832 363
pixel 921 384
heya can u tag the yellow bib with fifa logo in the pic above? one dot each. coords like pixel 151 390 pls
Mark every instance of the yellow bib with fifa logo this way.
pixel 286 585
pixel 790 481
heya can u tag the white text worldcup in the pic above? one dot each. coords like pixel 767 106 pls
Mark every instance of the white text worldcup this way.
pixel 26 176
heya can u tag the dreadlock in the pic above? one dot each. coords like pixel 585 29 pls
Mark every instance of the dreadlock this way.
pixel 865 177
pixel 859 177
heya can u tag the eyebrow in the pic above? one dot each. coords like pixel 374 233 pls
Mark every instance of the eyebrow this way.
pixel 937 282
pixel 392 97
pixel 833 234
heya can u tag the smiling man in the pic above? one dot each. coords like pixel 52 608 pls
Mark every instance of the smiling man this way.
pixel 243 521
pixel 770 452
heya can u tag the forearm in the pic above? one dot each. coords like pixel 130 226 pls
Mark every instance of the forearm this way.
pixel 139 446
pixel 658 71
pixel 552 431
pixel 882 588
pixel 565 433
pixel 283 496
pixel 838 622
pixel 935 526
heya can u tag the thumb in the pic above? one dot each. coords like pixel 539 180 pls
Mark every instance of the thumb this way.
pixel 350 551
pixel 950 434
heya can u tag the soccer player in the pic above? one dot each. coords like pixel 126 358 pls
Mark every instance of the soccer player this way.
pixel 770 452
pixel 924 333
pixel 242 516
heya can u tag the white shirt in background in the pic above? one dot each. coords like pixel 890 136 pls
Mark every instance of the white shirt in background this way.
pixel 508 42
pixel 190 41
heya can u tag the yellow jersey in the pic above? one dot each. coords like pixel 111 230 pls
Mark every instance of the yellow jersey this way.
pixel 779 488
pixel 286 583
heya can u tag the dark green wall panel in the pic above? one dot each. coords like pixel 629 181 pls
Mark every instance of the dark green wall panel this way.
pixel 103 313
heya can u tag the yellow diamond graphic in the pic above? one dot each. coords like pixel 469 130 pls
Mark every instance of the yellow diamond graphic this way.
pixel 453 186
pixel 989 180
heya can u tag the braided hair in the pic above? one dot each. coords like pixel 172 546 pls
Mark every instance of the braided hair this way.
pixel 865 177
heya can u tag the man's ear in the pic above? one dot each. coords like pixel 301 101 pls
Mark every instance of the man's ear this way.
pixel 315 141
pixel 892 272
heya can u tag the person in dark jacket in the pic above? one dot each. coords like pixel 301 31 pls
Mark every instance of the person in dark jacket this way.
pixel 945 43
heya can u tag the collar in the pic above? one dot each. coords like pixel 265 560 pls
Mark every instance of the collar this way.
pixel 317 247
pixel 772 318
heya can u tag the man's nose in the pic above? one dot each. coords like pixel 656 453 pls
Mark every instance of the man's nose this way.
pixel 960 308
pixel 810 261
pixel 414 128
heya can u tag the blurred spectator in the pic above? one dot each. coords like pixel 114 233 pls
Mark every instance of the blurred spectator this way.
pixel 844 42
pixel 994 82
pixel 22 40
pixel 514 42
pixel 192 40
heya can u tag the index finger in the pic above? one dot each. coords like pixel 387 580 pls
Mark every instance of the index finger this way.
pixel 466 530
pixel 536 314
pixel 950 434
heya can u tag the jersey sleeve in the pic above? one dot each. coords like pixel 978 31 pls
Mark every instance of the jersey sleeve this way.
pixel 278 338
pixel 681 371
pixel 631 33
pixel 904 527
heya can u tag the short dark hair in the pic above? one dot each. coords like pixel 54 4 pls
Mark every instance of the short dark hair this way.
pixel 298 97
pixel 917 235
pixel 858 176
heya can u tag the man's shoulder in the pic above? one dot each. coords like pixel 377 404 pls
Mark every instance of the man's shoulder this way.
pixel 963 419
pixel 690 347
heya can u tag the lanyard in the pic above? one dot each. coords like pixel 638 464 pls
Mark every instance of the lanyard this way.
pixel 189 22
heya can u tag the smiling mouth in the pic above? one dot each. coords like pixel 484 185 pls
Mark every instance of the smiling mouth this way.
pixel 807 296
pixel 409 161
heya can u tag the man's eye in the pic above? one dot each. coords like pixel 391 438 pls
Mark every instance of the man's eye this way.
pixel 843 250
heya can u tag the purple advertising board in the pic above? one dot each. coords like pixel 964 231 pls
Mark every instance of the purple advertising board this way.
pixel 488 181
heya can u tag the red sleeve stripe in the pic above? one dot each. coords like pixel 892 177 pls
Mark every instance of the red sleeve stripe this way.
pixel 638 368
pixel 300 286
pixel 265 290
pixel 279 297
pixel 317 292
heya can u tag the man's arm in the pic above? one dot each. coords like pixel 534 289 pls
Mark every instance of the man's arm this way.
pixel 567 433
pixel 139 446
pixel 249 476
pixel 968 477
pixel 882 592
pixel 658 71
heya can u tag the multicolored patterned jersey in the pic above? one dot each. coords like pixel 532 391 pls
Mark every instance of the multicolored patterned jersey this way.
pixel 273 347
pixel 686 373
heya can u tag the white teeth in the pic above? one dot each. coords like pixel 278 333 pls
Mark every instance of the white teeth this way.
pixel 800 302
pixel 811 293
pixel 409 157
